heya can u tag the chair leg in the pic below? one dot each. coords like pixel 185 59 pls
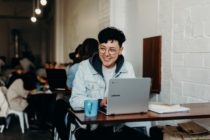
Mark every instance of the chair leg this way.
pixel 2 128
pixel 8 119
pixel 21 120
pixel 26 120
pixel 56 136
pixel 73 137
pixel 72 131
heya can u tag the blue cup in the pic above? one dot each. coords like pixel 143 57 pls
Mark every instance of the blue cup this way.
pixel 91 107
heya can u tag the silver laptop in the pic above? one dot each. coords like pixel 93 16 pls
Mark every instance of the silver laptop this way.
pixel 127 96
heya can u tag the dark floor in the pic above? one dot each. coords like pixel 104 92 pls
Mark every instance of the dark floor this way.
pixel 14 133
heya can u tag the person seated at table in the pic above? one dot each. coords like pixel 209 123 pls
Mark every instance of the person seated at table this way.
pixel 71 71
pixel 17 73
pixel 41 84
pixel 22 96
pixel 19 90
pixel 82 52
pixel 85 51
pixel 92 81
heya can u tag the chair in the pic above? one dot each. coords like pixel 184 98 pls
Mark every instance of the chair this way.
pixel 146 124
pixel 71 126
pixel 3 109
pixel 72 131
pixel 56 136
pixel 2 128
pixel 2 124
pixel 23 117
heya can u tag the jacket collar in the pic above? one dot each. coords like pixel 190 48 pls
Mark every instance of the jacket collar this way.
pixel 96 63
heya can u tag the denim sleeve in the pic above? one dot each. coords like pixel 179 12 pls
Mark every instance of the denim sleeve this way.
pixel 79 90
pixel 71 75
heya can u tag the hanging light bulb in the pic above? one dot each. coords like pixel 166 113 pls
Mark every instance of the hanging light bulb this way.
pixel 43 2
pixel 38 10
pixel 33 18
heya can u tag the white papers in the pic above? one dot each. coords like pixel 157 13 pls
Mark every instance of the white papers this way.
pixel 166 108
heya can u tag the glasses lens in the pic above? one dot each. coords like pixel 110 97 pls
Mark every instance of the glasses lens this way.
pixel 102 50
pixel 111 51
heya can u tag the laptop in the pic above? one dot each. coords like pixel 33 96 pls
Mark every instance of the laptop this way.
pixel 57 79
pixel 127 96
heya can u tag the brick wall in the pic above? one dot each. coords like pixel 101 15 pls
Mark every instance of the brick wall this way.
pixel 185 27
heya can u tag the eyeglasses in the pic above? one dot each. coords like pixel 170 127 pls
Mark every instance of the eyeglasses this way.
pixel 103 50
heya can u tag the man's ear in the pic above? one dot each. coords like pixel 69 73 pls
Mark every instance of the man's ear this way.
pixel 121 49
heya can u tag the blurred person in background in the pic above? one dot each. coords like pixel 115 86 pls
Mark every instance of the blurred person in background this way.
pixel 84 51
pixel 19 90
pixel 75 56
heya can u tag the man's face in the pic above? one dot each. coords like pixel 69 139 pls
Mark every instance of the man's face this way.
pixel 109 52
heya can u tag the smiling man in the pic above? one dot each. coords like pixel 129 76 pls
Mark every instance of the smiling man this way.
pixel 92 80
pixel 93 75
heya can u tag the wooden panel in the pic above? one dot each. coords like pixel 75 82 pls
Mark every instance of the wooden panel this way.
pixel 152 61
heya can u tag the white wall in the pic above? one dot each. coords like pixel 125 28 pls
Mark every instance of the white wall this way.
pixel 184 25
pixel 138 19
pixel 186 49
pixel 80 21
pixel 191 51
pixel 141 22
pixel 185 31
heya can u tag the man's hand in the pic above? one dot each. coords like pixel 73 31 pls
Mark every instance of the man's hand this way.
pixel 103 102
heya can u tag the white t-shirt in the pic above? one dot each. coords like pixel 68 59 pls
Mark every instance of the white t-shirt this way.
pixel 108 74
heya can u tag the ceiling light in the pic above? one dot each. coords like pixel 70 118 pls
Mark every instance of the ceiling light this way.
pixel 43 2
pixel 33 19
pixel 37 10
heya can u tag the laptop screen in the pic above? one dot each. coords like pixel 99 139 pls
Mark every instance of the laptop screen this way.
pixel 57 79
pixel 128 95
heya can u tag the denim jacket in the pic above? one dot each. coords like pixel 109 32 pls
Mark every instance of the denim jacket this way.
pixel 89 82
pixel 71 74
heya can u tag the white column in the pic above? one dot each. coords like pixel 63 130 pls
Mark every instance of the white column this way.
pixel 59 39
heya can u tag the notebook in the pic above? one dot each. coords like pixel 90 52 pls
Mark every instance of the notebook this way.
pixel 127 96
pixel 57 79
pixel 167 108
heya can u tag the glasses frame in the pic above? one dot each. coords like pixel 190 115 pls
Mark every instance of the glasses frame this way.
pixel 102 49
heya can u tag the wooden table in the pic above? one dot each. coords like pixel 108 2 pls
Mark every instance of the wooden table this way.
pixel 197 110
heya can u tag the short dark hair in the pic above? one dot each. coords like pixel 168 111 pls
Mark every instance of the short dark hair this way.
pixel 111 33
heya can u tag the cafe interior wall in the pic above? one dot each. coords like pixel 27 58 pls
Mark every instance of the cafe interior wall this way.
pixel 184 26
pixel 75 21
pixel 31 36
